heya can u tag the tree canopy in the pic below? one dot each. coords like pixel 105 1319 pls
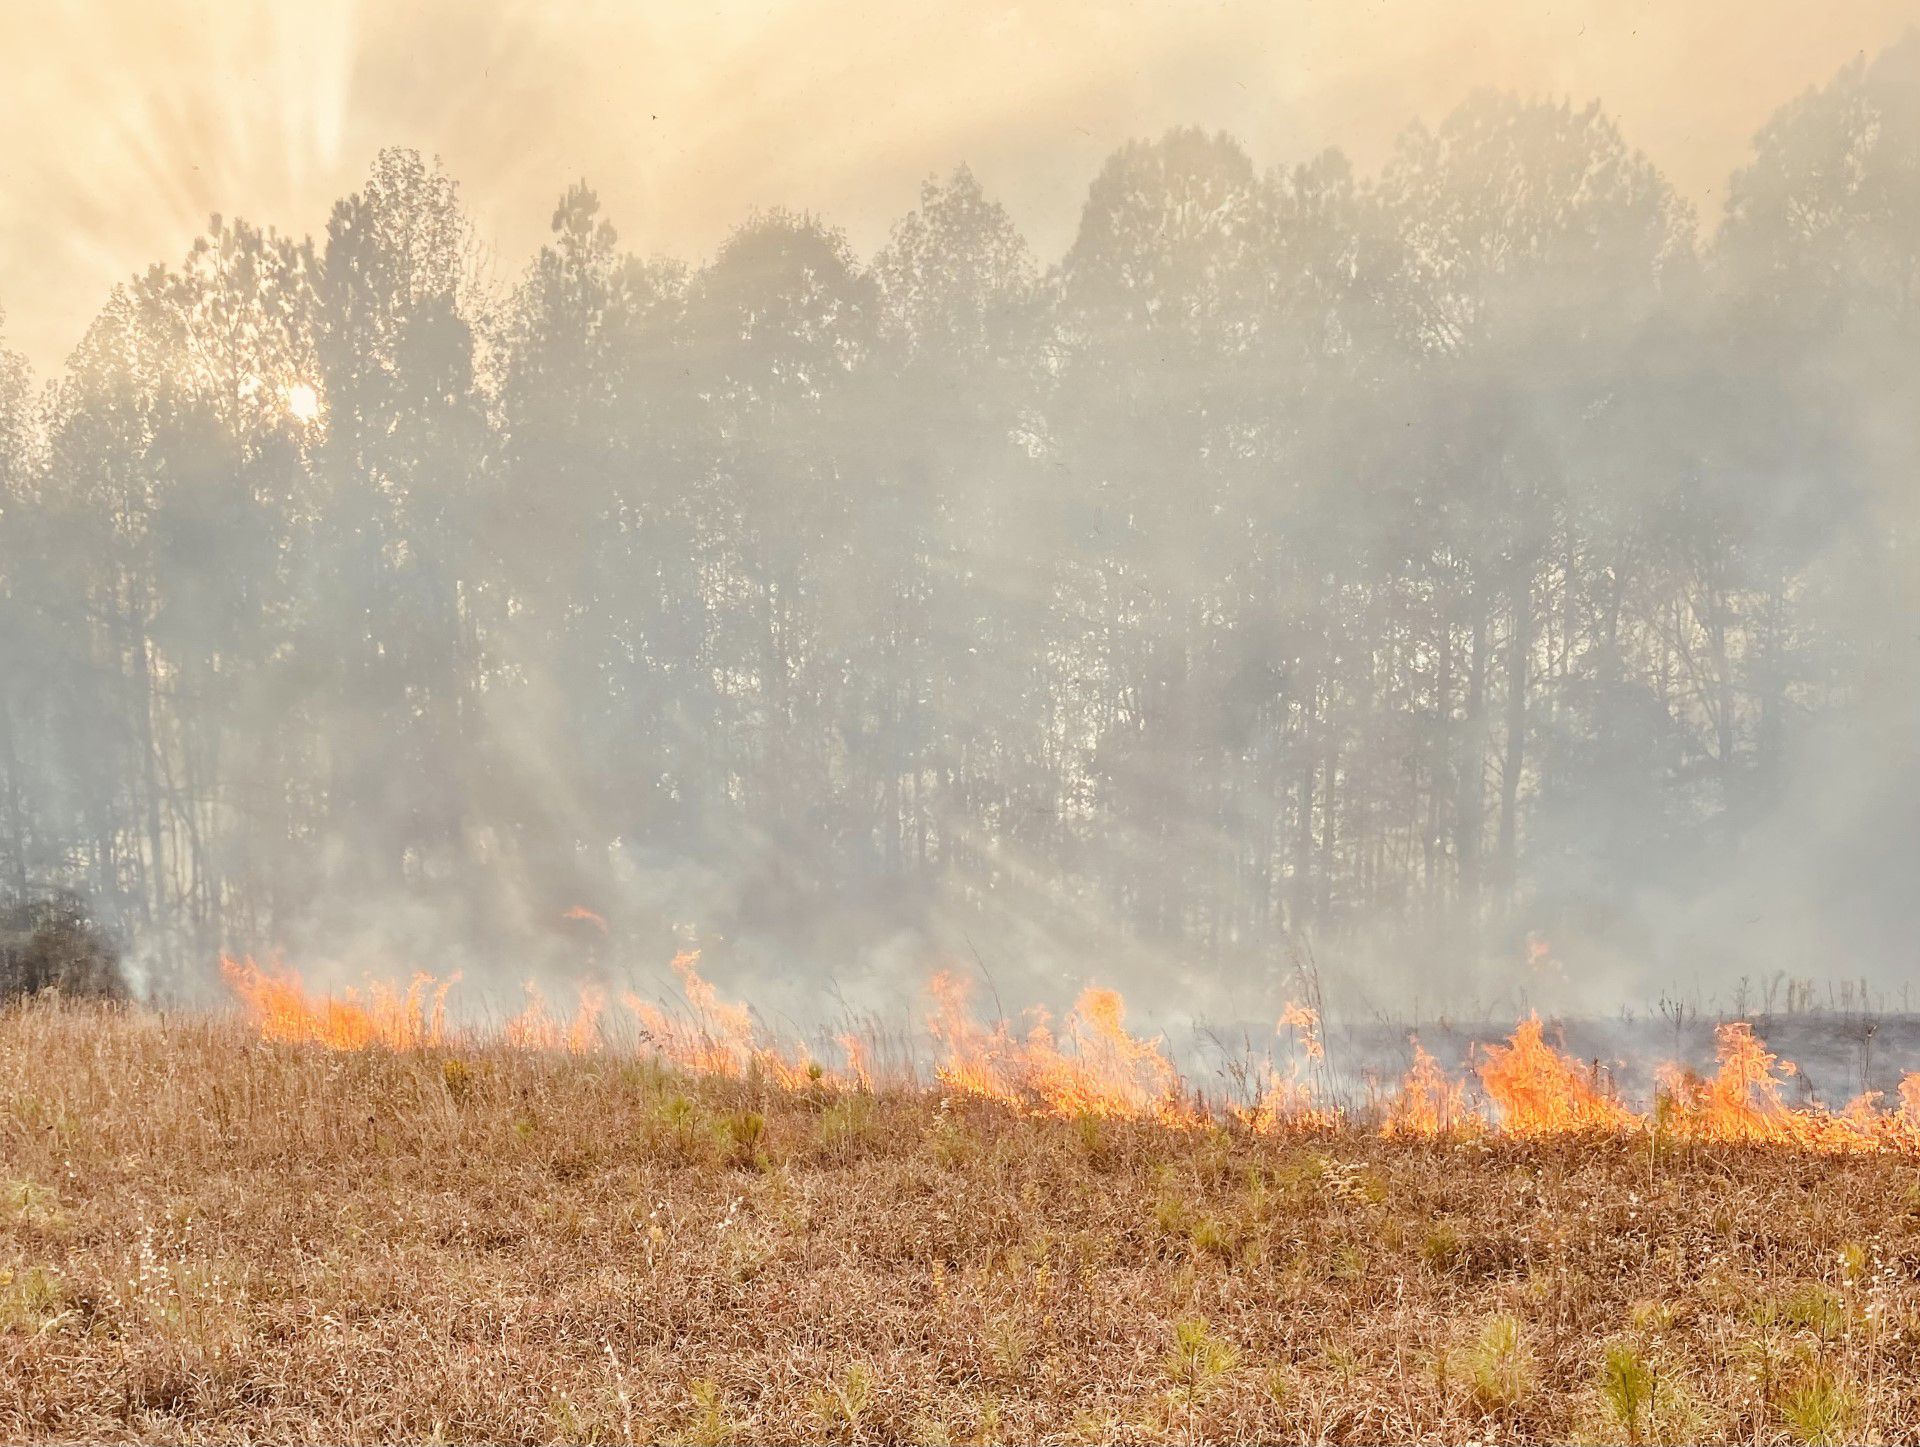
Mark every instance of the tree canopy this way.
pixel 1416 564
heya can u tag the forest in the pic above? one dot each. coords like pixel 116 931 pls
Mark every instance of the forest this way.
pixel 1474 571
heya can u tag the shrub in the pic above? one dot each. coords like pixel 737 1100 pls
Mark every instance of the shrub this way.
pixel 1627 1386
pixel 711 1425
pixel 840 1405
pixel 1499 1369
pixel 1197 1363
pixel 1821 1408
pixel 30 1301
pixel 745 1131
pixel 55 944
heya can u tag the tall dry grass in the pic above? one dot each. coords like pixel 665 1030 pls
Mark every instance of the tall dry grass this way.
pixel 203 1237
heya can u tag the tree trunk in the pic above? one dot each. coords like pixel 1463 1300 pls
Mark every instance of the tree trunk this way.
pixel 1519 651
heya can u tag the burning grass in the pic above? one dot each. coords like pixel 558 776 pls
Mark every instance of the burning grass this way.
pixel 1094 1068
pixel 209 1235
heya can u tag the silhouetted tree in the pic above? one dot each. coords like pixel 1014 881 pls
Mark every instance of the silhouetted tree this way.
pixel 1409 562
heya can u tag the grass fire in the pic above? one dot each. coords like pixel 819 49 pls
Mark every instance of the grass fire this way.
pixel 1092 1068
pixel 1057 723
pixel 374 1214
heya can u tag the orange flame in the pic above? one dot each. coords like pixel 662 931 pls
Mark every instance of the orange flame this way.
pixel 1430 1103
pixel 716 1037
pixel 859 1059
pixel 534 1029
pixel 1539 1091
pixel 1910 1100
pixel 1289 1099
pixel 1104 1071
pixel 1742 1102
pixel 385 1015
pixel 1305 1020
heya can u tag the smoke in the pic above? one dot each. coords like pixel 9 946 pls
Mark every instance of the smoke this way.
pixel 1447 590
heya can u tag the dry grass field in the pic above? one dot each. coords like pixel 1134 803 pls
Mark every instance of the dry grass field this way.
pixel 208 1237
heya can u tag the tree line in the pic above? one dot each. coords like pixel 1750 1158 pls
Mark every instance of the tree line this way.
pixel 1462 554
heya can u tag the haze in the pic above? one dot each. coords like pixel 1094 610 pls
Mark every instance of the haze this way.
pixel 1147 496
pixel 128 124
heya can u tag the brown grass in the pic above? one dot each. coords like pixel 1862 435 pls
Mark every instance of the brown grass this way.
pixel 207 1238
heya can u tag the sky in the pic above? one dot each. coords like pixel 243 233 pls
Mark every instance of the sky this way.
pixel 126 123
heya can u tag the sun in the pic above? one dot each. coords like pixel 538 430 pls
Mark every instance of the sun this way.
pixel 303 402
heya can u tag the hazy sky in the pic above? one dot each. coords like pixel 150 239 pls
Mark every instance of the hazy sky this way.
pixel 126 122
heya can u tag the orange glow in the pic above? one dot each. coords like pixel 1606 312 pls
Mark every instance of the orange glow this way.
pixel 581 914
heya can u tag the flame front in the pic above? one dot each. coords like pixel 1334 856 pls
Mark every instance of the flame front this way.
pixel 1093 1066
pixel 1538 1091
pixel 1742 1103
